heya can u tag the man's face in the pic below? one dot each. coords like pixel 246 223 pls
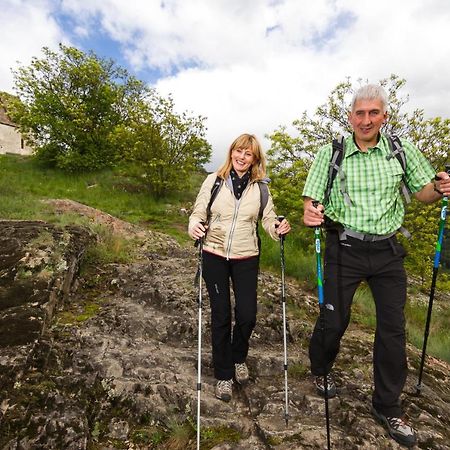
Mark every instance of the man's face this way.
pixel 366 118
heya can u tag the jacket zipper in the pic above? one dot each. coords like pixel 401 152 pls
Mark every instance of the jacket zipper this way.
pixel 233 226
pixel 233 223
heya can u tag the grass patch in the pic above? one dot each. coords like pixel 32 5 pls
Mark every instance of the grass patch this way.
pixel 78 314
pixel 363 313
pixel 182 436
pixel 438 343
pixel 24 183
pixel 109 248
pixel 298 371
pixel 298 264
pixel 210 437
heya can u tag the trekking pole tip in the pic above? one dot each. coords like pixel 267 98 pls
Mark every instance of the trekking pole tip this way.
pixel 418 390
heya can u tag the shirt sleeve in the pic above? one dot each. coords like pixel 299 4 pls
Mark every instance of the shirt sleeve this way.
pixel 419 171
pixel 316 181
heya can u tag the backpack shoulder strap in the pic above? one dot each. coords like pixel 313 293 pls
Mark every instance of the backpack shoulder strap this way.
pixel 337 155
pixel 214 191
pixel 395 145
pixel 397 151
pixel 263 195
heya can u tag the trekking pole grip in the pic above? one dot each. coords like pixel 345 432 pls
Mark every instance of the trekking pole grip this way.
pixel 197 241
pixel 280 219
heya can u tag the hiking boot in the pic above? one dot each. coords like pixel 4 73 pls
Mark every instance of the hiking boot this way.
pixel 331 386
pixel 224 389
pixel 241 373
pixel 398 429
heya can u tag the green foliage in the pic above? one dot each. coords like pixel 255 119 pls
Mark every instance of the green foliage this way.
pixel 422 222
pixel 166 147
pixel 290 158
pixel 71 105
pixel 84 113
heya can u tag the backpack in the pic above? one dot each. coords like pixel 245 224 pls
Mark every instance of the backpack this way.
pixel 337 155
pixel 263 196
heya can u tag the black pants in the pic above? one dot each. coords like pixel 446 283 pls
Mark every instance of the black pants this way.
pixel 380 263
pixel 230 348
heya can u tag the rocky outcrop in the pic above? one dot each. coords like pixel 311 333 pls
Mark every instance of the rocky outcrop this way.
pixel 117 368
pixel 38 266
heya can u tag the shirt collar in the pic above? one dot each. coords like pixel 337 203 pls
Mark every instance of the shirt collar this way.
pixel 352 148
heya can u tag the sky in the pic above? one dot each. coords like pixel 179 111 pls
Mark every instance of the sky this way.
pixel 246 65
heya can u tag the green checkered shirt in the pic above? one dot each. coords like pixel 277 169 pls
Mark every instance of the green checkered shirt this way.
pixel 372 182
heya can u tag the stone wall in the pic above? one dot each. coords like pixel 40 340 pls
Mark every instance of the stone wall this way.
pixel 11 141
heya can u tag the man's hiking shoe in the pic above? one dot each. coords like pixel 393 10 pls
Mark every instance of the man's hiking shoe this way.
pixel 224 389
pixel 331 386
pixel 398 429
pixel 241 373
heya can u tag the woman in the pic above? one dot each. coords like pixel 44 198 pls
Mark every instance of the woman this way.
pixel 231 250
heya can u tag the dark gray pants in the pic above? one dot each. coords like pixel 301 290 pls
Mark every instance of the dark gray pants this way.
pixel 230 348
pixel 380 263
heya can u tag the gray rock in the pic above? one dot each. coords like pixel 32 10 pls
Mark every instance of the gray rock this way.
pixel 126 377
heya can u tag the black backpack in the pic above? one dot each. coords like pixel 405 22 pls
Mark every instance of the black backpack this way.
pixel 337 155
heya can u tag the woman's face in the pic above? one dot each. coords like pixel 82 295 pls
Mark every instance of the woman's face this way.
pixel 242 159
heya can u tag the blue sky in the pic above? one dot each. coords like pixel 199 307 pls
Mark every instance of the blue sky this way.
pixel 246 65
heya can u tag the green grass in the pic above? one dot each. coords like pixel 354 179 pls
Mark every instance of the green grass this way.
pixel 181 435
pixel 24 183
pixel 438 345
pixel 298 264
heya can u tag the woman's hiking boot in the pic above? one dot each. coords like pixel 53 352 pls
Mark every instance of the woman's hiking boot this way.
pixel 320 386
pixel 224 390
pixel 241 373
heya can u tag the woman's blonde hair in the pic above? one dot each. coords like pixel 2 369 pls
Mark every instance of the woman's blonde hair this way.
pixel 246 141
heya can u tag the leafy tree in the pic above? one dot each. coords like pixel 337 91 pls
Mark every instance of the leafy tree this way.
pixel 72 105
pixel 166 147
pixel 290 158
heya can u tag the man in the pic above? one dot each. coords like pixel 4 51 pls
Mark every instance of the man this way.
pixel 362 215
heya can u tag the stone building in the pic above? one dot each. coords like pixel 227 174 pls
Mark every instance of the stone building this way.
pixel 11 141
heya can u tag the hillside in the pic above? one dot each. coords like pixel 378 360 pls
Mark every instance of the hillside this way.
pixel 106 358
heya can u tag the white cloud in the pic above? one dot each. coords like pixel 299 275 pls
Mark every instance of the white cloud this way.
pixel 26 28
pixel 253 65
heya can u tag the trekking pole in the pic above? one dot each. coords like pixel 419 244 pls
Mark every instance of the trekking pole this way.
pixel 437 258
pixel 283 302
pixel 198 277
pixel 322 319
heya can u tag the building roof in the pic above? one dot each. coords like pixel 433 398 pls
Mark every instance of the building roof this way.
pixel 4 118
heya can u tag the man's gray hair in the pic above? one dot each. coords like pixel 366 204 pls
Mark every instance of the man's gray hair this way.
pixel 371 92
